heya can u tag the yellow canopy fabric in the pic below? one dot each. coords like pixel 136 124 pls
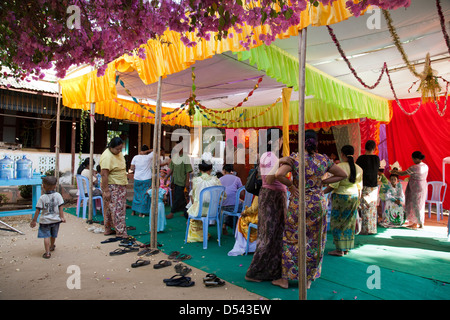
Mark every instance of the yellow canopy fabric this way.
pixel 129 110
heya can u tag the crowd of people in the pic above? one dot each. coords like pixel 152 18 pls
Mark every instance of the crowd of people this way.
pixel 355 188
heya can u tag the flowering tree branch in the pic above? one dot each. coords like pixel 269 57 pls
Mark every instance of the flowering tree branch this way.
pixel 36 35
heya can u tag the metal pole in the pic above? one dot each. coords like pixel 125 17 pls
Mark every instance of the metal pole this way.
pixel 301 154
pixel 58 138
pixel 155 169
pixel 91 160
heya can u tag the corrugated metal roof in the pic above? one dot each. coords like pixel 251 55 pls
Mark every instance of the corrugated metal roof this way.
pixel 47 85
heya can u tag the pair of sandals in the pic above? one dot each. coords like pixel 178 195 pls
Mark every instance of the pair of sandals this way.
pixel 211 280
pixel 148 252
pixel 176 256
pixel 179 281
pixel 120 251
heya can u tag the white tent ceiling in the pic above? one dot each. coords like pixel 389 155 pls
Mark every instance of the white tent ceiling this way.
pixel 418 28
pixel 222 81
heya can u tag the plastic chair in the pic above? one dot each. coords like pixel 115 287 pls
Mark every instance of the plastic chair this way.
pixel 250 226
pixel 82 181
pixel 215 195
pixel 236 212
pixel 436 198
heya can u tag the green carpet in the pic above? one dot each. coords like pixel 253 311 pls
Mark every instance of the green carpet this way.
pixel 413 265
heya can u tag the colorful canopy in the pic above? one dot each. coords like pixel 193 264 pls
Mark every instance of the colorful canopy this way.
pixel 220 74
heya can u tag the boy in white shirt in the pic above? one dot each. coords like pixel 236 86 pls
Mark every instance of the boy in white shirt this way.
pixel 50 205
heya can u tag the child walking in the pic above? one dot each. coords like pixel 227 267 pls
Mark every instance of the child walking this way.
pixel 50 207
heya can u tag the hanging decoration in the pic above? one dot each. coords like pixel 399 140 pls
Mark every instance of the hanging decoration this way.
pixel 224 124
pixel 118 80
pixel 174 114
pixel 429 85
pixel 191 109
pixel 442 21
pixel 235 107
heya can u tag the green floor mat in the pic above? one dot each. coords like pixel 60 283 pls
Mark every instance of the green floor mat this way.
pixel 410 263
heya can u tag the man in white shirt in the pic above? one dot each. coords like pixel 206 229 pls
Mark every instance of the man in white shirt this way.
pixel 141 165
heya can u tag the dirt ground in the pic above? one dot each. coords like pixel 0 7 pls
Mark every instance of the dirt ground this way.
pixel 25 275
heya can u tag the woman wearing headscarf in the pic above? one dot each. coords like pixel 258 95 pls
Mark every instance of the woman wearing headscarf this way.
pixel 272 203
pixel 316 166
pixel 416 191
pixel 344 203
pixel 114 188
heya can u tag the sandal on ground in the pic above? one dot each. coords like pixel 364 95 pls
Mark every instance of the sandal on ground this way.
pixel 114 239
pixel 182 269
pixel 183 257
pixel 173 255
pixel 46 255
pixel 217 282
pixel 140 263
pixel 179 281
pixel 52 248
pixel 144 251
pixel 162 264
pixel 122 251
pixel 151 252
pixel 209 277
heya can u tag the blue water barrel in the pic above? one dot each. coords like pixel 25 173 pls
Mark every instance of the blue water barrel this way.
pixel 6 168
pixel 24 168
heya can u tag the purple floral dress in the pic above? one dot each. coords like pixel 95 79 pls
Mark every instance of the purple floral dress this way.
pixel 316 219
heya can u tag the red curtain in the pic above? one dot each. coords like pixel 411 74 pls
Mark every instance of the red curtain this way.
pixel 370 130
pixel 425 131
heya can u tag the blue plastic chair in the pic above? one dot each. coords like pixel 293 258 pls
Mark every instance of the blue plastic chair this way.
pixel 250 226
pixel 216 195
pixel 82 198
pixel 437 198
pixel 236 213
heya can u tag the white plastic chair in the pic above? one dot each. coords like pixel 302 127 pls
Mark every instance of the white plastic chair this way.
pixel 236 213
pixel 82 198
pixel 215 195
pixel 437 198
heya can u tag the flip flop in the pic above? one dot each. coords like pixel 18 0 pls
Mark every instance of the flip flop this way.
pixel 183 257
pixel 217 282
pixel 140 263
pixel 152 252
pixel 162 264
pixel 173 255
pixel 122 251
pixel 112 240
pixel 179 281
pixel 46 255
pixel 144 251
pixel 209 277
pixel 182 269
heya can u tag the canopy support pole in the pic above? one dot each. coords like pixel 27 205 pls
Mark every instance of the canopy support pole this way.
pixel 155 169
pixel 58 138
pixel 91 161
pixel 301 155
